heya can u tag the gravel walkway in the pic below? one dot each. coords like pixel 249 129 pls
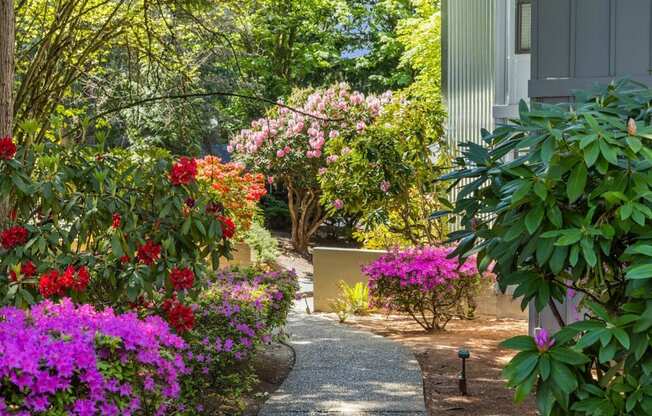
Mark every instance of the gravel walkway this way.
pixel 343 371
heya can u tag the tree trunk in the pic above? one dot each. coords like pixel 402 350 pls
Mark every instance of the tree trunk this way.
pixel 7 47
pixel 306 214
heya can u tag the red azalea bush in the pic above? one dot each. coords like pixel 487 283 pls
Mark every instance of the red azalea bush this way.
pixel 426 284
pixel 7 148
pixel 54 283
pixel 183 172
pixel 13 237
pixel 182 278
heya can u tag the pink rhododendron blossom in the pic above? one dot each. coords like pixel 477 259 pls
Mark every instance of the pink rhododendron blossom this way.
pixel 543 340
pixel 338 204
pixel 271 137
pixel 384 186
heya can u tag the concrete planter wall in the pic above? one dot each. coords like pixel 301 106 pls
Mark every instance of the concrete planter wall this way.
pixel 242 256
pixel 334 264
pixel 331 265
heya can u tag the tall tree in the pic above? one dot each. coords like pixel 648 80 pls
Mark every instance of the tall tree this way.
pixel 7 46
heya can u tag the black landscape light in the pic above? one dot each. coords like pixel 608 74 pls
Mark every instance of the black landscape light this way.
pixel 464 355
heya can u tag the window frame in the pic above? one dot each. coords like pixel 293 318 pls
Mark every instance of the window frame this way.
pixel 519 50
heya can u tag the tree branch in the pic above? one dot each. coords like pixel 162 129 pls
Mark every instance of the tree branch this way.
pixel 205 94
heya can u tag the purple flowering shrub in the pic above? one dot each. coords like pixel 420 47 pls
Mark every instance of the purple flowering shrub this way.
pixel 59 358
pixel 426 284
pixel 235 315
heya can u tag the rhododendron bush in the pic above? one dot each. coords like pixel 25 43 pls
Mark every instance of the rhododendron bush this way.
pixel 236 189
pixel 570 222
pixel 294 148
pixel 388 178
pixel 426 284
pixel 107 227
pixel 63 359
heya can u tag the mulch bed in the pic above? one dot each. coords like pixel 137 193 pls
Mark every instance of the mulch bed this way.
pixel 437 356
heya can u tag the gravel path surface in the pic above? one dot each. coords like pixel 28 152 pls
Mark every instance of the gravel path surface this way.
pixel 344 371
pixel 340 370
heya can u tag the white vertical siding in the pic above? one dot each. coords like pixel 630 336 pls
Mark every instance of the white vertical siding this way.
pixel 469 77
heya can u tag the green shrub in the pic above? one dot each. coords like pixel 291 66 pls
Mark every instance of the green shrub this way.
pixel 571 215
pixel 276 212
pixel 352 300
pixel 261 241
pixel 386 176
pixel 126 218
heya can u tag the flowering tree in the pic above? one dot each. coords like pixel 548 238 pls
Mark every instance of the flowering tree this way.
pixel 388 178
pixel 426 284
pixel 293 147
pixel 570 216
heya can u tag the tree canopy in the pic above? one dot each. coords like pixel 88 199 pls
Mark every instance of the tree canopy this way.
pixel 154 72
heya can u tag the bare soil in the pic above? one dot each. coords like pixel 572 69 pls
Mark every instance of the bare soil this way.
pixel 272 366
pixel 440 365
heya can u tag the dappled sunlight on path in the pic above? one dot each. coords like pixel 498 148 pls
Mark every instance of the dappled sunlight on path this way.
pixel 341 370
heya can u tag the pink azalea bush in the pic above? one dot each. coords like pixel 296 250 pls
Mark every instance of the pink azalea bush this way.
pixel 235 316
pixel 295 147
pixel 67 359
pixel 426 284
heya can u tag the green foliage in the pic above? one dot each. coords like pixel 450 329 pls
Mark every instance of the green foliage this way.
pixel 67 199
pixel 388 178
pixel 261 241
pixel 380 237
pixel 276 212
pixel 420 35
pixel 341 309
pixel 241 309
pixel 300 43
pixel 151 71
pixel 352 300
pixel 571 211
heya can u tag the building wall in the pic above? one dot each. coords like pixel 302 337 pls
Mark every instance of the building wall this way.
pixel 579 43
pixel 468 68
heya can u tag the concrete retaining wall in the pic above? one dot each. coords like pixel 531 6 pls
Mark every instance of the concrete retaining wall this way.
pixel 331 265
pixel 242 256
pixel 334 264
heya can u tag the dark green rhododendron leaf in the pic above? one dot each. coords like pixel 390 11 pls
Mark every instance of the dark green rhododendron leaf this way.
pixel 642 271
pixel 576 182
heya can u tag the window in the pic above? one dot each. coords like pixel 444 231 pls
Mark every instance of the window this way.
pixel 523 26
